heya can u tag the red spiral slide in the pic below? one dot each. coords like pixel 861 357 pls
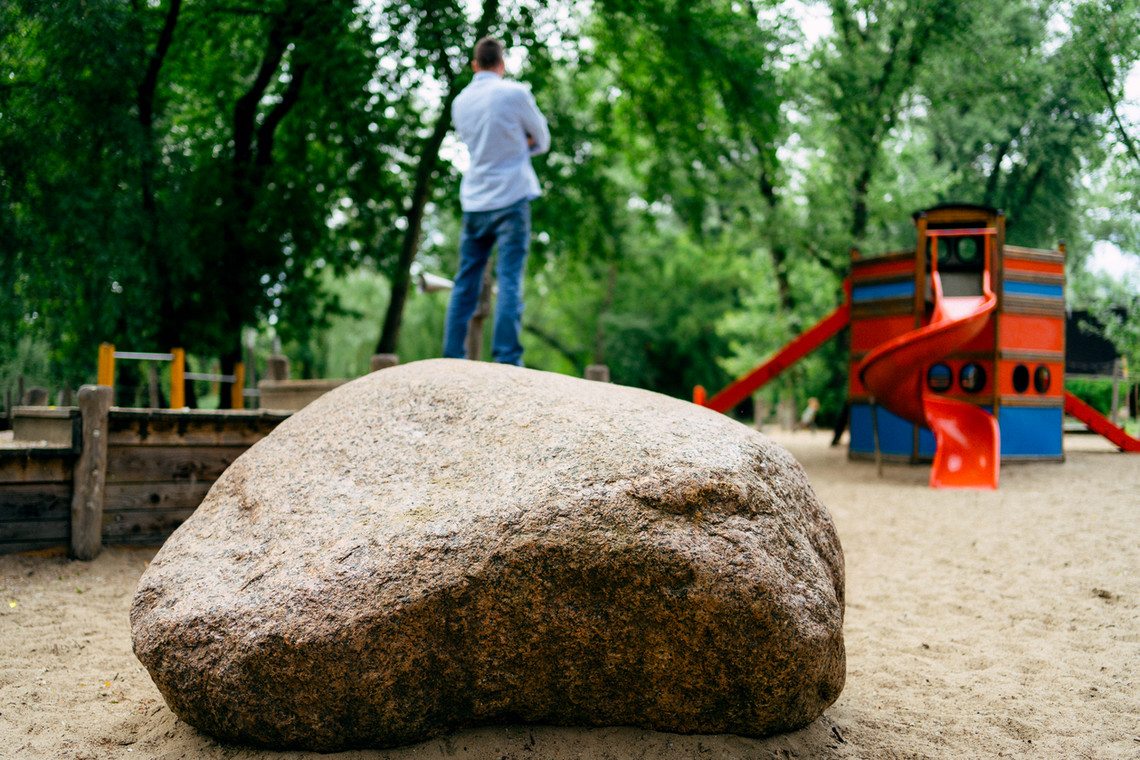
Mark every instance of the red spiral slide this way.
pixel 968 453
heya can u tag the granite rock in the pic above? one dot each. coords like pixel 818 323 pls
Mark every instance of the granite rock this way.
pixel 447 543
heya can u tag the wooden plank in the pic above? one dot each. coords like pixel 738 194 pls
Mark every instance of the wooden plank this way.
pixel 160 427
pixel 12 547
pixel 1045 402
pixel 878 270
pixel 1039 278
pixel 135 496
pixel 1037 307
pixel 156 524
pixel 1034 254
pixel 885 307
pixel 1015 355
pixel 152 540
pixel 35 465
pixel 90 472
pixel 35 501
pixel 157 464
pixel 58 430
pixel 42 532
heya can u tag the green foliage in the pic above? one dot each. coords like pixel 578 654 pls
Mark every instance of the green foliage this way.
pixel 1096 392
pixel 672 345
pixel 171 172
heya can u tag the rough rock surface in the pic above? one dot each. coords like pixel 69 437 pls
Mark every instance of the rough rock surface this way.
pixel 449 543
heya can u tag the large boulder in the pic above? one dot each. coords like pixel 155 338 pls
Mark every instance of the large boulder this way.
pixel 446 544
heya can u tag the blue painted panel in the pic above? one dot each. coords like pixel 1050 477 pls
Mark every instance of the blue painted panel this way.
pixel 926 443
pixel 861 293
pixel 896 435
pixel 1040 290
pixel 1031 431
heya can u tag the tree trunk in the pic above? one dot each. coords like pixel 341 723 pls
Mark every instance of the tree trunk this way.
pixel 145 100
pixel 778 251
pixel 429 158
pixel 859 212
pixel 253 155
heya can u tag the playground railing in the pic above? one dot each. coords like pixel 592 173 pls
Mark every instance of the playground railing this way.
pixel 178 374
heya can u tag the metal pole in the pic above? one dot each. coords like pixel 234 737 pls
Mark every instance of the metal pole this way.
pixel 875 434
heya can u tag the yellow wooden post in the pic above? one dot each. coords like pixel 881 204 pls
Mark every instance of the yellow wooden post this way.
pixel 177 379
pixel 106 374
pixel 237 398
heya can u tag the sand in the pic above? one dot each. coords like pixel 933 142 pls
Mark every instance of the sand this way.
pixel 979 625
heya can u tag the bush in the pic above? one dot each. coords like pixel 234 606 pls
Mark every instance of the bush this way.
pixel 1096 392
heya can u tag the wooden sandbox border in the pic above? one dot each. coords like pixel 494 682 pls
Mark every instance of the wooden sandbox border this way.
pixel 128 477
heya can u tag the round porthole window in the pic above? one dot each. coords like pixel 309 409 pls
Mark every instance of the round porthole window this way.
pixel 970 250
pixel 1021 378
pixel 939 378
pixel 972 377
pixel 1042 379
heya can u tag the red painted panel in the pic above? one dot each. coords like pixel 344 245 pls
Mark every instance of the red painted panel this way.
pixel 1020 332
pixel 869 333
pixel 854 387
pixel 956 391
pixel 1042 267
pixel 1005 379
pixel 872 269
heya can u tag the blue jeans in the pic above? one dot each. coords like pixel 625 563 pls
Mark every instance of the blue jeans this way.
pixel 510 228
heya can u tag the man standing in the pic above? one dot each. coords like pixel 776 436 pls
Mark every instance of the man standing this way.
pixel 502 128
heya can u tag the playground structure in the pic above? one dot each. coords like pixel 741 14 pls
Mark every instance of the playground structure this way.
pixel 957 352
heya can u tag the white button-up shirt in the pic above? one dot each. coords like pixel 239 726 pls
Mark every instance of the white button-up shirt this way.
pixel 494 117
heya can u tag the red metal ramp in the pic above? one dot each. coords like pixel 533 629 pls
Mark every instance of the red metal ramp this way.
pixel 794 350
pixel 1100 424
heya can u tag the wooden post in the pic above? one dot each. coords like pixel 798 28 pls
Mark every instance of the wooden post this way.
pixel 90 472
pixel 1117 376
pixel 474 342
pixel 599 372
pixel 996 265
pixel 382 361
pixel 178 379
pixel 921 287
pixel 106 375
pixel 237 397
pixel 277 367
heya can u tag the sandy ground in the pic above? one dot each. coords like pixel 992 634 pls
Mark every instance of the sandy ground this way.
pixel 979 625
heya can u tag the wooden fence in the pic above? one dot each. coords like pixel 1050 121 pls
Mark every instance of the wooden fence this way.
pixel 91 475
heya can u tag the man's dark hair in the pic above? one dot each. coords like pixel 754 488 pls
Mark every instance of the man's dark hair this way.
pixel 488 53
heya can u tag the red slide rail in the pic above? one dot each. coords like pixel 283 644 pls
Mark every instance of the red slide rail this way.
pixel 796 349
pixel 1100 424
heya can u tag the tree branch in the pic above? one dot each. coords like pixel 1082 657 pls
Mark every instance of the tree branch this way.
pixel 1113 101
pixel 245 110
pixel 149 85
pixel 267 130
pixel 558 346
